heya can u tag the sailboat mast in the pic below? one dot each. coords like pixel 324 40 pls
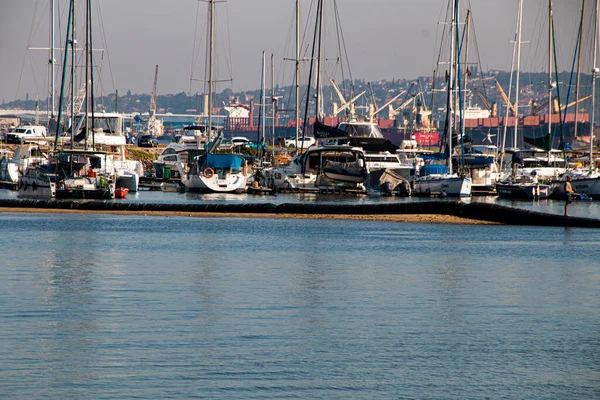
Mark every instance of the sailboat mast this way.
pixel 73 70
pixel 87 71
pixel 91 81
pixel 464 90
pixel 319 109
pixel 550 82
pixel 450 117
pixel 297 70
pixel 577 84
pixel 518 44
pixel 211 28
pixel 262 101
pixel 52 62
pixel 595 71
pixel 273 114
pixel 64 75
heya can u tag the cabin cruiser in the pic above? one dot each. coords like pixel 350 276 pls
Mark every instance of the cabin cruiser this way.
pixel 109 132
pixel 38 182
pixel 434 179
pixel 84 174
pixel 70 174
pixel 379 152
pixel 339 167
pixel 24 156
pixel 523 187
pixel 583 181
pixel 187 144
pixel 548 165
pixel 481 165
pixel 531 173
pixel 108 129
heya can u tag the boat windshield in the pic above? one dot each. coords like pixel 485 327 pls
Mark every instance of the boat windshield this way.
pixel 361 130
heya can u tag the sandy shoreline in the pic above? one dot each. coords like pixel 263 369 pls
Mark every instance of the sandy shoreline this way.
pixel 409 218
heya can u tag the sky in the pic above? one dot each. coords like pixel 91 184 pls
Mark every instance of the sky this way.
pixel 384 39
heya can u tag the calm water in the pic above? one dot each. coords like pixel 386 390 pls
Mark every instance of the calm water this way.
pixel 101 306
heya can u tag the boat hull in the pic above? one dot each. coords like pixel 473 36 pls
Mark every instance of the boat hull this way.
pixel 455 186
pixel 528 191
pixel 344 175
pixel 36 187
pixel 129 180
pixel 85 188
pixel 230 184
pixel 588 186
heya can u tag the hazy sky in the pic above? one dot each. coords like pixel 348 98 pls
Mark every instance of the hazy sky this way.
pixel 385 39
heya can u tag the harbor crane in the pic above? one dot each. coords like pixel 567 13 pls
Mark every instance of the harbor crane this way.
pixel 484 100
pixel 394 111
pixel 536 108
pixel 345 104
pixel 511 106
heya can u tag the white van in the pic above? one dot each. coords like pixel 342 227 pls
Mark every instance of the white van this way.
pixel 303 142
pixel 26 133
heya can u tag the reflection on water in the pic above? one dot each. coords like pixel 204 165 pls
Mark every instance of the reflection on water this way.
pixel 109 306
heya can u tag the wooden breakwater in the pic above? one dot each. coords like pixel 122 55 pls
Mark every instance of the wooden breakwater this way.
pixel 476 211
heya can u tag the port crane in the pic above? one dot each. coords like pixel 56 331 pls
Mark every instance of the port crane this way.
pixel 345 104
pixel 484 100
pixel 394 111
pixel 536 108
pixel 511 106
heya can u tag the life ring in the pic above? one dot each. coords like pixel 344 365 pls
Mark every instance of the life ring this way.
pixel 208 172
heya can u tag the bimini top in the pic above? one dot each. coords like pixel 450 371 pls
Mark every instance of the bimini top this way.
pixel 431 169
pixel 224 161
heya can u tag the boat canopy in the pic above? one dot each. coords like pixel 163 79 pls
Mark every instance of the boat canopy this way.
pixel 373 144
pixel 322 131
pixel 222 161
pixel 431 169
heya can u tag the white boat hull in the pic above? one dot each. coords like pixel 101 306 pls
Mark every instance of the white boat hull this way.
pixel 452 185
pixel 588 186
pixel 129 180
pixel 230 183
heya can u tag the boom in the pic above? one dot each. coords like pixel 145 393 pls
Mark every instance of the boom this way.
pixel 510 105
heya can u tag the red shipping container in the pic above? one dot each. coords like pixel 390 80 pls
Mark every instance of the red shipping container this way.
pixel 510 121
pixel 471 123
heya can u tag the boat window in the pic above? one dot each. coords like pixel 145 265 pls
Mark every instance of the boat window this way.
pixel 95 162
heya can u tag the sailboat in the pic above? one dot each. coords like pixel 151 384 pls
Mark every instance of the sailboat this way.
pixel 210 171
pixel 320 167
pixel 74 172
pixel 533 169
pixel 587 182
pixel 437 178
